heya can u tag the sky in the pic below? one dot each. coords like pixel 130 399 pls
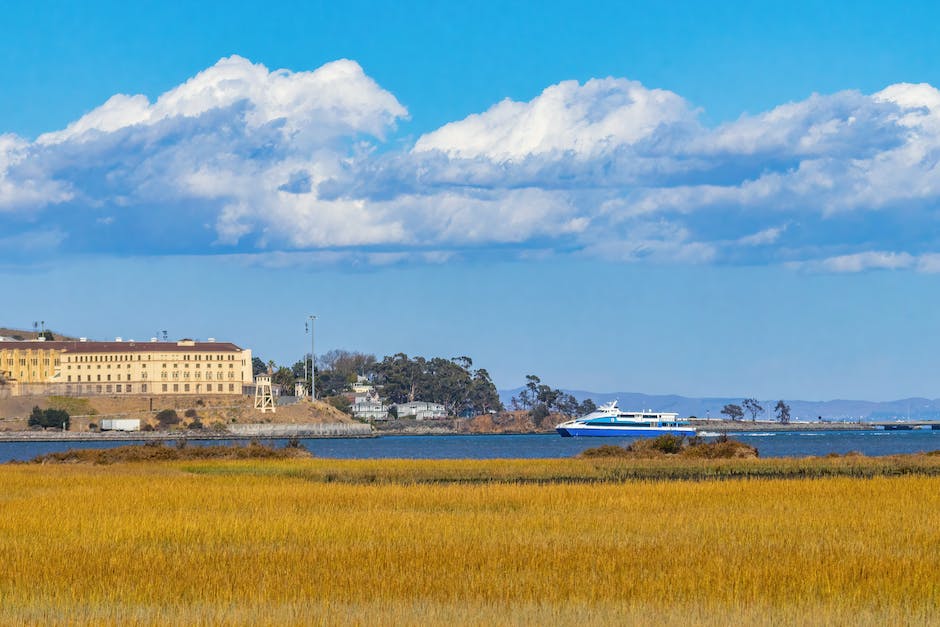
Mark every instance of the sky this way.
pixel 735 200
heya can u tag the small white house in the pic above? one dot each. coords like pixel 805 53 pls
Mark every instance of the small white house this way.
pixel 368 406
pixel 421 410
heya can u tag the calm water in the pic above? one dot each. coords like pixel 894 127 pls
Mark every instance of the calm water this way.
pixel 502 446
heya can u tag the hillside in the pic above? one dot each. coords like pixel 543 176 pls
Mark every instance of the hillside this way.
pixel 20 334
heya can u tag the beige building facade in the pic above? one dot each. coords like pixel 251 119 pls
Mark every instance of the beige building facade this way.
pixel 80 368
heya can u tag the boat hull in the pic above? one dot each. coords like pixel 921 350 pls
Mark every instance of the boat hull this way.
pixel 580 431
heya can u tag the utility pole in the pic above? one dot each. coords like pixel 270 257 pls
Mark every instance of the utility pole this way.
pixel 313 362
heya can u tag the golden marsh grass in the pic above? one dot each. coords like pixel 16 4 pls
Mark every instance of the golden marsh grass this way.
pixel 383 542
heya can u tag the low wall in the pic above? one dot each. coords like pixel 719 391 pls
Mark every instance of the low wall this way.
pixel 349 430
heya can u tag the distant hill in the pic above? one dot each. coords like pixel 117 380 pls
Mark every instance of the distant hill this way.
pixel 835 410
pixel 31 335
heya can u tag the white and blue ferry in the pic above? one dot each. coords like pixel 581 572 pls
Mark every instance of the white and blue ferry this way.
pixel 608 420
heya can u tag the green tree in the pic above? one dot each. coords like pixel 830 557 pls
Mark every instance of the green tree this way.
pixel 587 406
pixel 752 407
pixel 483 394
pixel 783 412
pixel 539 413
pixel 49 418
pixel 257 366
pixel 733 412
pixel 284 377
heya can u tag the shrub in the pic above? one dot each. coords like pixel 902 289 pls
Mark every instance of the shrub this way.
pixel 606 450
pixel 167 418
pixel 671 445
pixel 190 413
pixel 666 444
pixel 195 424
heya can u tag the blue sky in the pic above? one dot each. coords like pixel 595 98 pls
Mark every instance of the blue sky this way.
pixel 654 197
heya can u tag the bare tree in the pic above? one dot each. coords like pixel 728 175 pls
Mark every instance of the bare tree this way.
pixel 733 412
pixel 752 407
pixel 783 412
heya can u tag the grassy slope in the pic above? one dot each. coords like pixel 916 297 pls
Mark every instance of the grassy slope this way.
pixel 265 542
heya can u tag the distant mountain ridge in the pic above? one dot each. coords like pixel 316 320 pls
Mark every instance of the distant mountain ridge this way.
pixel 835 410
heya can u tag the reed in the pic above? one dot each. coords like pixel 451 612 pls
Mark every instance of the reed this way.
pixel 265 542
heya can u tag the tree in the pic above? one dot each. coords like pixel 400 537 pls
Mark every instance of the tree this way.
pixel 586 407
pixel 283 377
pixel 733 412
pixel 752 407
pixel 539 413
pixel 257 366
pixel 49 418
pixel 783 412
pixel 483 394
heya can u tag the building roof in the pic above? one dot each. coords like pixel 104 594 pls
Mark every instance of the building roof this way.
pixel 125 347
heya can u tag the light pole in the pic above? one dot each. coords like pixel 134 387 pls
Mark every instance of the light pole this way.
pixel 306 330
pixel 313 357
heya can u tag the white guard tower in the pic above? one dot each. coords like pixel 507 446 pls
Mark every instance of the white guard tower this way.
pixel 300 389
pixel 264 398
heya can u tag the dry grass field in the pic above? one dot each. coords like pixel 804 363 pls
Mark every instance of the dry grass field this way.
pixel 313 541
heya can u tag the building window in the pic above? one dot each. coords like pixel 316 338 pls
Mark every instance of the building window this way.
pixel 164 388
pixel 186 387
pixel 143 388
pixel 231 388
pixel 176 387
pixel 117 388
pixel 128 388
pixel 108 387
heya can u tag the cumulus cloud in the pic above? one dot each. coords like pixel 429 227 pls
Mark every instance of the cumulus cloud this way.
pixel 296 166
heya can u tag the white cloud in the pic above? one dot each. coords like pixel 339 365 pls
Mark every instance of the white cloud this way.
pixel 335 100
pixel 584 119
pixel 288 165
pixel 858 262
pixel 763 238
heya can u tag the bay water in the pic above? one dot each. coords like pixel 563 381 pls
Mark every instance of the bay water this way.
pixel 769 444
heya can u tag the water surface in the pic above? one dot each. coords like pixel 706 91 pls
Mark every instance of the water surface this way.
pixel 769 444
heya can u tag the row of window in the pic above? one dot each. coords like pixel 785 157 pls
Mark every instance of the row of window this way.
pixel 217 387
pixel 88 378
pixel 112 358
pixel 196 375
pixel 33 362
pixel 120 388
pixel 128 388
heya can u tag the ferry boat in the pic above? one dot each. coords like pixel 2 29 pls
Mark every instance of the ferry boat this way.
pixel 609 420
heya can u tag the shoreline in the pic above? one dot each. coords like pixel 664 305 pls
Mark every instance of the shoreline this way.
pixel 723 428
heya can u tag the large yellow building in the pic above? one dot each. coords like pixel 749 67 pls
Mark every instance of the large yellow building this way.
pixel 80 368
